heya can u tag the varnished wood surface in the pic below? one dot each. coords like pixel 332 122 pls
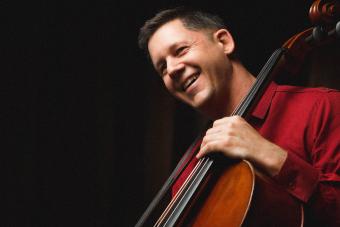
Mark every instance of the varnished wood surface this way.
pixel 242 197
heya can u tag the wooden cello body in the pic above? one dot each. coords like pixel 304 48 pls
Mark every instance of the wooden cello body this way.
pixel 241 196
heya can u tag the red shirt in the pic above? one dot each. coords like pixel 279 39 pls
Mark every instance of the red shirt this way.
pixel 306 123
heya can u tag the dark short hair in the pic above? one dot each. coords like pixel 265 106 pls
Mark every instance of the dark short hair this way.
pixel 191 19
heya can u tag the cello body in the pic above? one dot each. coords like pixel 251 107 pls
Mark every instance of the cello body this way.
pixel 241 196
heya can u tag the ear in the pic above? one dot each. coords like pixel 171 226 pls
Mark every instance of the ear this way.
pixel 223 37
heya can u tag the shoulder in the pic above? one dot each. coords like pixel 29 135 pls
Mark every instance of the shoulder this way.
pixel 319 97
pixel 309 90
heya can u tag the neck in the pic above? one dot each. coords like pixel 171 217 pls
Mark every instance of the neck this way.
pixel 241 80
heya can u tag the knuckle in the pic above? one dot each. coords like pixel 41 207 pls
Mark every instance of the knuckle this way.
pixel 227 141
pixel 232 123
pixel 208 131
pixel 228 131
pixel 214 123
pixel 219 121
pixel 208 147
pixel 237 118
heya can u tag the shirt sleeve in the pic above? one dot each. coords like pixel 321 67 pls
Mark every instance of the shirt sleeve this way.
pixel 298 177
pixel 316 182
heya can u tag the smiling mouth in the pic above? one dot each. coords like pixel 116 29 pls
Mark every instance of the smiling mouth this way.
pixel 189 82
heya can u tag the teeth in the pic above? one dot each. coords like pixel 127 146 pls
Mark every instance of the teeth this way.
pixel 189 82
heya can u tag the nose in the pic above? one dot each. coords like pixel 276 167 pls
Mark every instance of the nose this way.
pixel 174 68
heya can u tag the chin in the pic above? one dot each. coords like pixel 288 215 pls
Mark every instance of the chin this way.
pixel 203 97
pixel 199 101
pixel 202 104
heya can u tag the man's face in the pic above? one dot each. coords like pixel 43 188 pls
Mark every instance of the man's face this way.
pixel 193 64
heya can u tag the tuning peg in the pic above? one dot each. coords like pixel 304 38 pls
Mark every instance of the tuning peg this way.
pixel 319 33
pixel 337 29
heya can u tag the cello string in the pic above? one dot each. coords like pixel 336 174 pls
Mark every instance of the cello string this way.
pixel 182 164
pixel 173 200
pixel 188 193
pixel 241 109
pixel 177 197
pixel 187 184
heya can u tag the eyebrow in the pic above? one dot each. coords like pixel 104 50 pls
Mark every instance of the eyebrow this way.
pixel 171 47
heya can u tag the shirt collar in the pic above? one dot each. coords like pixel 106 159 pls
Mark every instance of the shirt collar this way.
pixel 262 107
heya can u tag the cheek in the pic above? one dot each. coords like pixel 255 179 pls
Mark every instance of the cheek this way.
pixel 171 89
pixel 169 85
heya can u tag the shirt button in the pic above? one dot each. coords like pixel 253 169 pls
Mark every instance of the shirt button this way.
pixel 291 185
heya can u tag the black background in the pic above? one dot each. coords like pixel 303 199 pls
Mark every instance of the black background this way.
pixel 75 98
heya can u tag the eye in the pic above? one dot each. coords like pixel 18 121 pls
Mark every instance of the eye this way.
pixel 181 50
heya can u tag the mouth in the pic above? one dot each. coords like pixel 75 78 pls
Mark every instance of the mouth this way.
pixel 189 82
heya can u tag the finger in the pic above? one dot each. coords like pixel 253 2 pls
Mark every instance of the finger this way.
pixel 221 130
pixel 208 148
pixel 230 122
pixel 220 121
pixel 215 137
pixel 215 143
pixel 214 130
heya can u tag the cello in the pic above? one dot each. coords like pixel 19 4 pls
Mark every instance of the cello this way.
pixel 214 180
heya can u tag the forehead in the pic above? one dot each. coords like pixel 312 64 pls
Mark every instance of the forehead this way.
pixel 170 34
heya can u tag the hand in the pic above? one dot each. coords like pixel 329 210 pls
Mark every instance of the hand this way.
pixel 235 138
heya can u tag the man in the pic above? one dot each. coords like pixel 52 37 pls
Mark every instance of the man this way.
pixel 293 135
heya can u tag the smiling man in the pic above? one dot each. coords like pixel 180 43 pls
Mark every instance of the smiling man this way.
pixel 194 53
